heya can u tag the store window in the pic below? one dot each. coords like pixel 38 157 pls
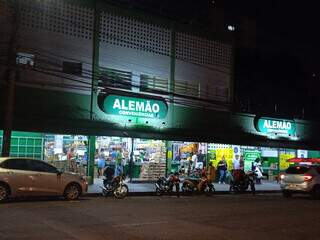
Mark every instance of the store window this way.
pixel 114 153
pixel 67 152
pixel 270 163
pixel 235 156
pixel 74 68
pixel 153 84
pixel 187 158
pixel 114 78
pixel 149 157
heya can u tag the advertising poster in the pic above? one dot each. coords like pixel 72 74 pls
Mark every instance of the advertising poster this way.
pixel 302 153
pixel 283 157
pixel 228 156
pixel 249 157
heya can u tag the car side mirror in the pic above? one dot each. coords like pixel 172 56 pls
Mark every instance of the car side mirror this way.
pixel 59 173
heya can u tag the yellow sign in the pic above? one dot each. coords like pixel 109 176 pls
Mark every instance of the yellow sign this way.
pixel 283 157
pixel 228 154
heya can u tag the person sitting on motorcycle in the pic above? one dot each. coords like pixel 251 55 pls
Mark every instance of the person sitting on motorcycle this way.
pixel 238 175
pixel 203 180
pixel 109 174
pixel 176 181
pixel 211 175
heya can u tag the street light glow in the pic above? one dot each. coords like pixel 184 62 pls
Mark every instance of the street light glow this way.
pixel 231 28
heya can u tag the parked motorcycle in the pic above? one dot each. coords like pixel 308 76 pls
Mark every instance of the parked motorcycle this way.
pixel 165 185
pixel 241 181
pixel 198 184
pixel 116 186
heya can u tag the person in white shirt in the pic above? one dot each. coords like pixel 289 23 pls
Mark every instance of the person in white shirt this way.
pixel 192 163
pixel 236 162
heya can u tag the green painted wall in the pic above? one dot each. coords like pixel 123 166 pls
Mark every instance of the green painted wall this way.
pixel 25 144
pixel 65 112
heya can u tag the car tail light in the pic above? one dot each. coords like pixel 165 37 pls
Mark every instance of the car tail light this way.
pixel 307 177
pixel 282 176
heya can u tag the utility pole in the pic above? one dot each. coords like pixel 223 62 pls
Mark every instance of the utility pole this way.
pixel 11 76
pixel 93 98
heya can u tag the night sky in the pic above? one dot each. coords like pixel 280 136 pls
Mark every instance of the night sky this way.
pixel 284 69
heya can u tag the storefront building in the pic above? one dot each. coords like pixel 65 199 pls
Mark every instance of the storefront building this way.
pixel 96 81
pixel 146 160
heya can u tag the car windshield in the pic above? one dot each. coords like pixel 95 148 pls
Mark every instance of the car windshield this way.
pixel 297 170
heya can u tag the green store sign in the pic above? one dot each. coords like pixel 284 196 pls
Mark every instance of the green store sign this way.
pixel 249 157
pixel 279 126
pixel 135 107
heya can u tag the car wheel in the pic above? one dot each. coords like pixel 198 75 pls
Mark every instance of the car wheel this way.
pixel 286 194
pixel 4 192
pixel 316 192
pixel 72 192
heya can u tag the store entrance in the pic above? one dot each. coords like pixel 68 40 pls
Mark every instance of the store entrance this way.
pixel 149 158
pixel 139 159
pixel 114 153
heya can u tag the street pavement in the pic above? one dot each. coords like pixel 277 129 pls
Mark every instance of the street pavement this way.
pixel 243 216
pixel 149 188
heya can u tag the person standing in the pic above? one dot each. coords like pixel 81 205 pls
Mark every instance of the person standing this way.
pixel 193 162
pixel 241 162
pixel 236 163
pixel 71 159
pixel 201 160
pixel 257 169
pixel 119 170
pixel 119 164
pixel 101 164
pixel 222 168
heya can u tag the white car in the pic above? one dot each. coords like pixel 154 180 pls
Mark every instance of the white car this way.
pixel 31 177
pixel 301 179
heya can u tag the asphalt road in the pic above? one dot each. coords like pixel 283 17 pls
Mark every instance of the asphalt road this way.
pixel 197 217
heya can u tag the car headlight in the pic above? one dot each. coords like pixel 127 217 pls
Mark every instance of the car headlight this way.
pixel 83 179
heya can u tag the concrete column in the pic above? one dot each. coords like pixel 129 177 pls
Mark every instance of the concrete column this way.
pixel 91 155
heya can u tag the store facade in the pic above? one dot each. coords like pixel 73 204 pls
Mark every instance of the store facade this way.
pixel 134 89
pixel 146 160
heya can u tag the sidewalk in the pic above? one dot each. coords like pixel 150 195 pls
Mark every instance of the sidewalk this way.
pixel 149 188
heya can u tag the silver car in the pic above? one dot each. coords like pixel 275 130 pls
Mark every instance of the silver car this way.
pixel 301 179
pixel 31 177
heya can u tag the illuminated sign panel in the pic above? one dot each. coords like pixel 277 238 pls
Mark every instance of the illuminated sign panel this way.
pixel 135 107
pixel 273 125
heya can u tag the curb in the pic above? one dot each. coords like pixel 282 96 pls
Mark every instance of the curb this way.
pixel 142 194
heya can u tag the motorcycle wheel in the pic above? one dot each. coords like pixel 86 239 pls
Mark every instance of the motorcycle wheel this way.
pixel 253 188
pixel 244 188
pixel 158 192
pixel 209 190
pixel 233 189
pixel 104 192
pixel 121 191
pixel 186 189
